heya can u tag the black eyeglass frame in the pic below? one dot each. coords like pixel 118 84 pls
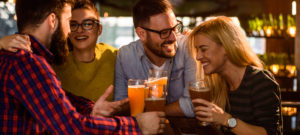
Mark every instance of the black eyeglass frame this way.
pixel 81 25
pixel 164 30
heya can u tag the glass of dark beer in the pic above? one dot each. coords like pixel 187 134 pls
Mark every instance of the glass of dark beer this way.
pixel 155 97
pixel 199 89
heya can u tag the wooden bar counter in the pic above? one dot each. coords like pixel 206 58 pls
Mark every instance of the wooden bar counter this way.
pixel 188 126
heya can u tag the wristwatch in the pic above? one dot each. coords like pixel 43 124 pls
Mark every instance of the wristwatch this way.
pixel 232 122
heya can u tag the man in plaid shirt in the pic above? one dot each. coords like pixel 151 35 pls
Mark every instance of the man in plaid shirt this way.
pixel 31 98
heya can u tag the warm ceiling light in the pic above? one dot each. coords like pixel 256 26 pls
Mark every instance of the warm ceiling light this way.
pixel 291 31
pixel 11 1
pixel 105 14
pixel 269 32
pixel 274 68
pixel 294 8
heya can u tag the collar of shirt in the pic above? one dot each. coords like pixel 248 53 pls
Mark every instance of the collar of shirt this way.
pixel 39 49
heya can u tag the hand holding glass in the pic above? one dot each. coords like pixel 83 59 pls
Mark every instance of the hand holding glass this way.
pixel 199 89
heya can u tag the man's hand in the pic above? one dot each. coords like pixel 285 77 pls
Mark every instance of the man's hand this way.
pixel 106 108
pixel 14 42
pixel 151 122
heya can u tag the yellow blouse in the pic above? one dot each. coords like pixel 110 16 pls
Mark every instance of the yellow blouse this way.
pixel 89 80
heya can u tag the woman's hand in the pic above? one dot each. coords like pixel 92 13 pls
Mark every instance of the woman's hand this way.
pixel 209 112
pixel 14 42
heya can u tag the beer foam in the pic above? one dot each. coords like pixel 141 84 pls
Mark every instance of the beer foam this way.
pixel 136 86
pixel 154 80
pixel 154 98
pixel 200 89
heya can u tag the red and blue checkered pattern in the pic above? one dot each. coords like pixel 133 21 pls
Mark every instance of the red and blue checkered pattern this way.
pixel 33 102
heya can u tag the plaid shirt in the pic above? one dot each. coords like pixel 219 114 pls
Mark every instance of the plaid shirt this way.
pixel 33 102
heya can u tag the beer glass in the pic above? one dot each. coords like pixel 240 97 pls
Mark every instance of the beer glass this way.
pixel 136 94
pixel 155 97
pixel 158 77
pixel 199 89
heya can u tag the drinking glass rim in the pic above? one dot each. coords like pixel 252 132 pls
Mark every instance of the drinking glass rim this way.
pixel 196 84
pixel 138 81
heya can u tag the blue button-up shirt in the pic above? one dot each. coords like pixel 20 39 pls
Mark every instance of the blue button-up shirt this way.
pixel 132 63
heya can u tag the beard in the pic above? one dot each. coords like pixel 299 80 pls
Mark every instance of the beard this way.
pixel 58 46
pixel 159 51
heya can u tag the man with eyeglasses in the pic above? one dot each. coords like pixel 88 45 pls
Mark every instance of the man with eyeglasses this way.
pixel 161 46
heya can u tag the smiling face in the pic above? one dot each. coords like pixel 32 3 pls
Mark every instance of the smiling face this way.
pixel 210 54
pixel 164 48
pixel 84 39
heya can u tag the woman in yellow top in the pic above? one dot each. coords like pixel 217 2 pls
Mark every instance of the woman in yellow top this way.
pixel 89 68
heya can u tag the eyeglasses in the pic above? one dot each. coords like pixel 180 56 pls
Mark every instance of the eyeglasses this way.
pixel 167 32
pixel 85 25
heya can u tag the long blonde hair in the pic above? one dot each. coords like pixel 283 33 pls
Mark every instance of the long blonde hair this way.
pixel 223 31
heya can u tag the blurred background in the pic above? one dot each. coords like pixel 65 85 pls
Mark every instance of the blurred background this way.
pixel 269 24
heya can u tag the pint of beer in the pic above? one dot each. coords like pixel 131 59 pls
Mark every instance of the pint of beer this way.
pixel 136 92
pixel 155 97
pixel 156 91
pixel 199 89
pixel 158 76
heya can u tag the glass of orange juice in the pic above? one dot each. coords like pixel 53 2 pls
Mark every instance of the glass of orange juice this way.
pixel 136 93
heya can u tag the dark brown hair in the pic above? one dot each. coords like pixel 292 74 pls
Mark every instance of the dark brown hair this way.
pixel 86 4
pixel 144 9
pixel 33 12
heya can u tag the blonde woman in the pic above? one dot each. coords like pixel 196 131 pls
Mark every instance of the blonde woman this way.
pixel 246 98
